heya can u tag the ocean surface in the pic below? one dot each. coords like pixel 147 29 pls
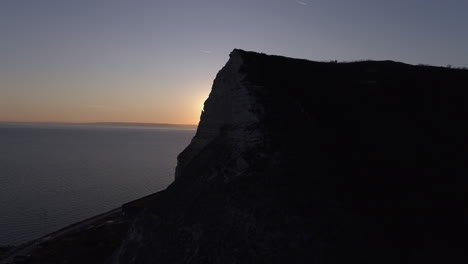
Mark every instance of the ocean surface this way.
pixel 54 175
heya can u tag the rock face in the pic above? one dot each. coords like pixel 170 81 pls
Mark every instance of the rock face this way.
pixel 305 162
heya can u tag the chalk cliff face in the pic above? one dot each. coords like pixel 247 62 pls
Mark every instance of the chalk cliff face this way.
pixel 305 162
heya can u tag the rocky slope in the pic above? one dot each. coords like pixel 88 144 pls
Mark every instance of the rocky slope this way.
pixel 305 162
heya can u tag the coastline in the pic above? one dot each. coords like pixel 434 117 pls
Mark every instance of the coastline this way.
pixel 32 249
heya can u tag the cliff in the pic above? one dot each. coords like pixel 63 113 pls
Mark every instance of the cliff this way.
pixel 306 162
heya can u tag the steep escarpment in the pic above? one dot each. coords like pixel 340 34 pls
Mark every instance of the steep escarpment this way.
pixel 305 162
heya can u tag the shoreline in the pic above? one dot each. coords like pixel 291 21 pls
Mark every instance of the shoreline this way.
pixel 25 249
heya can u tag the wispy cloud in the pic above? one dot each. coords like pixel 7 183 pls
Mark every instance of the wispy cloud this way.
pixel 301 3
pixel 103 107
pixel 95 106
pixel 206 51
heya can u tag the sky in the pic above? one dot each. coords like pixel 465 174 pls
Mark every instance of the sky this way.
pixel 154 61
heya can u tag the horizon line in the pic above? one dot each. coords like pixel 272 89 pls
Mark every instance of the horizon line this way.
pixel 98 123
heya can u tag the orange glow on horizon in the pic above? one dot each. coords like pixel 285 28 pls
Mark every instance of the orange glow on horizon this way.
pixel 104 115
pixel 67 100
pixel 187 114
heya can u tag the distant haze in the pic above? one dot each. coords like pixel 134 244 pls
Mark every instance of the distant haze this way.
pixel 151 61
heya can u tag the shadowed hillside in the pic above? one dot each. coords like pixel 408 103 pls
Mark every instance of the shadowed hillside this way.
pixel 306 162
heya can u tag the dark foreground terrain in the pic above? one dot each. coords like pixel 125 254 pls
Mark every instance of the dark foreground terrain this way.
pixel 306 162
pixel 93 240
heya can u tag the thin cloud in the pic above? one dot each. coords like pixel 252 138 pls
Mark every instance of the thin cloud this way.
pixel 95 106
pixel 103 107
pixel 206 51
pixel 301 3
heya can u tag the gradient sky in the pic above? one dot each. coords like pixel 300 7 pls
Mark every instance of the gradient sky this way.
pixel 155 61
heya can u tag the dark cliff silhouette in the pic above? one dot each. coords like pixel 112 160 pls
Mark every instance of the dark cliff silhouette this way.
pixel 297 161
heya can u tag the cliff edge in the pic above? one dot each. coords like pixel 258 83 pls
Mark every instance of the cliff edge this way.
pixel 297 161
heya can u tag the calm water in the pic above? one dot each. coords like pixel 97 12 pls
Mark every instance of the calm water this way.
pixel 52 176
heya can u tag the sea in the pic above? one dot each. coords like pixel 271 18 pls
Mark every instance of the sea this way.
pixel 53 175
